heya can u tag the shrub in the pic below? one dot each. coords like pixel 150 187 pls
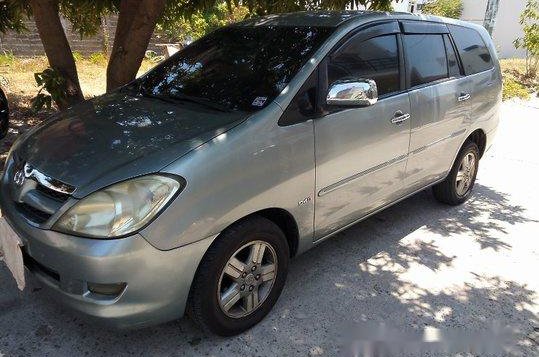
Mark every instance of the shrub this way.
pixel 53 82
pixel 98 58
pixel 78 56
pixel 512 89
pixel 529 19
pixel 153 57
pixel 446 8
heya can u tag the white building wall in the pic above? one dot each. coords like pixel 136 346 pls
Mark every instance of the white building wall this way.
pixel 474 11
pixel 507 28
pixel 401 6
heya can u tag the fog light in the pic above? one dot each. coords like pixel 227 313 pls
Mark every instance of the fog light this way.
pixel 107 289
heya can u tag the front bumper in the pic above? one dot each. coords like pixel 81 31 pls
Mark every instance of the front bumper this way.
pixel 158 282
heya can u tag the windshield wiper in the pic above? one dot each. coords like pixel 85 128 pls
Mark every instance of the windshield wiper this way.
pixel 202 101
pixel 160 97
pixel 175 97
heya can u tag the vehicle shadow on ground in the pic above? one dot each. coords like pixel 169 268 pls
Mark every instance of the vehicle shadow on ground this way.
pixel 351 278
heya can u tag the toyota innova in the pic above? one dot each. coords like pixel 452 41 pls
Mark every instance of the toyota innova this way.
pixel 189 189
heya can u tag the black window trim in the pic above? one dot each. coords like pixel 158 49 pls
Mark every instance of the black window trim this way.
pixel 457 56
pixel 421 27
pixel 284 118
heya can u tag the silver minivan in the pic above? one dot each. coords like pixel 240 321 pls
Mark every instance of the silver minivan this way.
pixel 189 189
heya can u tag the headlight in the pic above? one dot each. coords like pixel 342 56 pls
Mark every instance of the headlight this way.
pixel 119 209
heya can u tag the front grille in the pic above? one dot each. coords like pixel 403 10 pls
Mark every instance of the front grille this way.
pixel 55 195
pixel 31 195
pixel 33 214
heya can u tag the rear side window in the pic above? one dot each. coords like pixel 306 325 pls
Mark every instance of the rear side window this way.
pixel 425 58
pixel 472 49
pixel 376 58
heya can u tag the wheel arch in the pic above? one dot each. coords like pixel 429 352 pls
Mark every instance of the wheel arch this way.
pixel 479 137
pixel 283 219
pixel 286 222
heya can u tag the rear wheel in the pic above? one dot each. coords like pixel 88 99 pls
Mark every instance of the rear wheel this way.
pixel 240 277
pixel 458 185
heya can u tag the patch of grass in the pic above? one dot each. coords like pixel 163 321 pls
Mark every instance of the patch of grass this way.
pixel 6 58
pixel 513 89
pixel 18 75
pixel 78 56
pixel 515 80
pixel 98 58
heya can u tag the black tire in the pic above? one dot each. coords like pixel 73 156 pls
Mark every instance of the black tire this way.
pixel 203 305
pixel 446 191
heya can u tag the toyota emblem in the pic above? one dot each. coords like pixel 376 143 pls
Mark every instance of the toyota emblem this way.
pixel 19 178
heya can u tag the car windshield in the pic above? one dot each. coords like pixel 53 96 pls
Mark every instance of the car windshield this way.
pixel 234 68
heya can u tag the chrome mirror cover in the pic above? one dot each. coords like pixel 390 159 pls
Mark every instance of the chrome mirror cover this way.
pixel 353 92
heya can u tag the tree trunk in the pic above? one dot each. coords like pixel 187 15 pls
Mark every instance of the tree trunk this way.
pixel 135 27
pixel 105 42
pixel 57 48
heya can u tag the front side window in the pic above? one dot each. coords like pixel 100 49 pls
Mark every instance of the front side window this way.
pixel 425 58
pixel 473 51
pixel 237 68
pixel 376 58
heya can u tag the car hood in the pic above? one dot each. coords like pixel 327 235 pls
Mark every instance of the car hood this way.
pixel 118 136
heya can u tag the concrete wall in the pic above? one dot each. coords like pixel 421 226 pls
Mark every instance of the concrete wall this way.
pixel 507 28
pixel 401 6
pixel 28 43
pixel 474 11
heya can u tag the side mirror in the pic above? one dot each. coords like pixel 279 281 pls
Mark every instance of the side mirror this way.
pixel 353 92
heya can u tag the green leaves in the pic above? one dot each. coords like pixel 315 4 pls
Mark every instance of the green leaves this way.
pixel 54 84
pixel 12 14
pixel 446 8
pixel 85 15
pixel 529 19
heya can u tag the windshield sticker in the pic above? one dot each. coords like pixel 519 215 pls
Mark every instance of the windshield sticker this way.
pixel 259 101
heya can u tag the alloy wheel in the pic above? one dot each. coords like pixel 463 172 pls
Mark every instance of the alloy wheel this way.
pixel 247 279
pixel 465 174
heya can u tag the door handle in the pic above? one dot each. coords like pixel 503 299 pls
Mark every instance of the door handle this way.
pixel 463 97
pixel 400 117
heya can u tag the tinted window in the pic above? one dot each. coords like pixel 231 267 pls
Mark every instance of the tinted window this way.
pixel 472 49
pixel 376 58
pixel 238 68
pixel 304 104
pixel 452 62
pixel 425 58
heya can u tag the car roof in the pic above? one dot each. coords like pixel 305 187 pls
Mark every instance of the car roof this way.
pixel 338 18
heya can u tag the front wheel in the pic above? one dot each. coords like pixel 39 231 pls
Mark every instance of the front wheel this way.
pixel 458 185
pixel 240 277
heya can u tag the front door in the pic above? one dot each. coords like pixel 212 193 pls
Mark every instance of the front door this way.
pixel 361 152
